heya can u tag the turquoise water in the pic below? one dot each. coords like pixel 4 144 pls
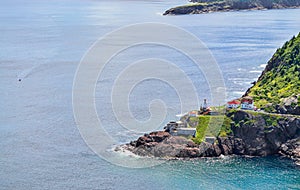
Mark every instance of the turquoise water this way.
pixel 230 173
pixel 42 42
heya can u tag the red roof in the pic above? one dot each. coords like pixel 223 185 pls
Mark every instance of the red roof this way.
pixel 247 100
pixel 234 102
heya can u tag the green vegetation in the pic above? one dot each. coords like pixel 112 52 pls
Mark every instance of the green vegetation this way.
pixel 217 125
pixel 221 125
pixel 272 120
pixel 201 128
pixel 226 127
pixel 280 79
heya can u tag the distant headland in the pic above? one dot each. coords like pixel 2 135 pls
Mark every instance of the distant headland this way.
pixel 208 6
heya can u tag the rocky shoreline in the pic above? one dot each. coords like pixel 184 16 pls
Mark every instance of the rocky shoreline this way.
pixel 200 7
pixel 253 138
pixel 273 129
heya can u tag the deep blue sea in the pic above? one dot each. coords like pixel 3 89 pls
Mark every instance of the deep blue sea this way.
pixel 42 43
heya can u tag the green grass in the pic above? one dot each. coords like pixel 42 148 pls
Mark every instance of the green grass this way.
pixel 220 125
pixel 217 125
pixel 201 128
pixel 226 127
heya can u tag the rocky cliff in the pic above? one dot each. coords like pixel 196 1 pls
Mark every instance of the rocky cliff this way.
pixel 253 134
pixel 261 134
pixel 206 6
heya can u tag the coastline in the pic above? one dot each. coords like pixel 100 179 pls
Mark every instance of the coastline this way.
pixel 264 121
pixel 250 137
pixel 204 8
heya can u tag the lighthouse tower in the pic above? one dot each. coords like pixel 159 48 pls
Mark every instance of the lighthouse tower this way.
pixel 204 107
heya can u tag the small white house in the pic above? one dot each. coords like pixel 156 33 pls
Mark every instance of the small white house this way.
pixel 247 103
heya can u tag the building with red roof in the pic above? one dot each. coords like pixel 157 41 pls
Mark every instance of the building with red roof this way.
pixel 233 104
pixel 247 103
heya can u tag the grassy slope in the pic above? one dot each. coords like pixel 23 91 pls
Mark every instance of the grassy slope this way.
pixel 281 78
pixel 218 125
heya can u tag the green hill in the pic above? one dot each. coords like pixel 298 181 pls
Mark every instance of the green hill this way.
pixel 281 78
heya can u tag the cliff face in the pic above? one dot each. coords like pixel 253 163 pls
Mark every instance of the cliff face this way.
pixel 205 6
pixel 278 88
pixel 261 134
pixel 253 134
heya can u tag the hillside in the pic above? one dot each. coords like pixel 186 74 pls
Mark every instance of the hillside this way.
pixel 278 87
pixel 207 6
pixel 242 132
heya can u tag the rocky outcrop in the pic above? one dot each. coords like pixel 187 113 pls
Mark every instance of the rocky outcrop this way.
pixel 162 144
pixel 196 9
pixel 262 134
pixel 206 6
pixel 289 105
pixel 291 149
pixel 252 134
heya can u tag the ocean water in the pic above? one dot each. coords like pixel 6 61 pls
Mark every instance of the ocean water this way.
pixel 42 43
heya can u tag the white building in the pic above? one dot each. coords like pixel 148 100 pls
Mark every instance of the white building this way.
pixel 247 103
